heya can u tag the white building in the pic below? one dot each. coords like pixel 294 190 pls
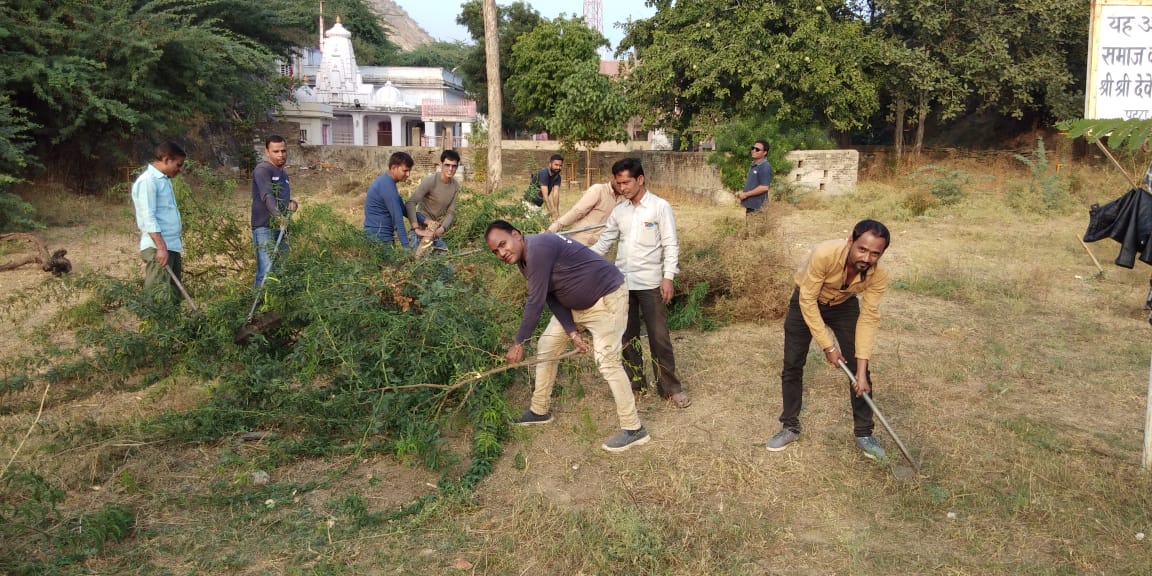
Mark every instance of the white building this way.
pixel 343 103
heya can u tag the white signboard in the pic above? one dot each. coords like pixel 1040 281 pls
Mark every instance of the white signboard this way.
pixel 1120 60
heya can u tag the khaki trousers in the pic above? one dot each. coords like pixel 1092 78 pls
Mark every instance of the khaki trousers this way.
pixel 606 320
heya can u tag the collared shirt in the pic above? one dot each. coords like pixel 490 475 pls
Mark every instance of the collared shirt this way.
pixel 820 280
pixel 384 212
pixel 156 210
pixel 649 251
pixel 760 174
pixel 564 274
pixel 591 209
pixel 434 199
pixel 270 193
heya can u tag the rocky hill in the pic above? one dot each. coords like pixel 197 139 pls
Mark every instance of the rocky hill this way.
pixel 403 30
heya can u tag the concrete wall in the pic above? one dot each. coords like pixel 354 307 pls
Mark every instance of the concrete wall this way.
pixel 832 172
pixel 665 172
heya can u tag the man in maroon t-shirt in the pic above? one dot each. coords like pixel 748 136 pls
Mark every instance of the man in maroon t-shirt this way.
pixel 582 290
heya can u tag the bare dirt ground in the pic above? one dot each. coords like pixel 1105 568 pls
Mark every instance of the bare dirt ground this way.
pixel 1014 373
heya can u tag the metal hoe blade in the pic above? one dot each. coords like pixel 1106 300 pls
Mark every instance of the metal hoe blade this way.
pixel 883 420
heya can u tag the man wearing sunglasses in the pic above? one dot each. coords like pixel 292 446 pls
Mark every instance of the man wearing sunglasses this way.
pixel 432 207
pixel 759 180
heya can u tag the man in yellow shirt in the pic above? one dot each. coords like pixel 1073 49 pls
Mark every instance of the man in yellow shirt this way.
pixel 839 286
pixel 591 209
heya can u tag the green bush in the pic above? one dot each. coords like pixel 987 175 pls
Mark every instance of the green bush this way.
pixel 735 139
pixel 945 184
pixel 1046 190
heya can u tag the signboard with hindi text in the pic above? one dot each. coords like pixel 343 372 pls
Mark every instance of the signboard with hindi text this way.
pixel 1120 60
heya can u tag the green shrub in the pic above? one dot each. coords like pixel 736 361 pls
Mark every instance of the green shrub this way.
pixel 946 185
pixel 1046 190
pixel 733 141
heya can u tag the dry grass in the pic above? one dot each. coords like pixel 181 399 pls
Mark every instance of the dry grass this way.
pixel 1006 366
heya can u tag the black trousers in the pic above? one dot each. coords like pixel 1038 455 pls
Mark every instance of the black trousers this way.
pixel 797 338
pixel 649 304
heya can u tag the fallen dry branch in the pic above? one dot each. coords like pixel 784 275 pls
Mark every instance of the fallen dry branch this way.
pixel 473 377
pixel 55 263
pixel 31 427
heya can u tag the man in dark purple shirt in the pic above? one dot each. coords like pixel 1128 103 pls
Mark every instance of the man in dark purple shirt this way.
pixel 583 290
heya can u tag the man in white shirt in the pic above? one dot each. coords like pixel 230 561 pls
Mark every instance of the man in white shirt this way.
pixel 648 255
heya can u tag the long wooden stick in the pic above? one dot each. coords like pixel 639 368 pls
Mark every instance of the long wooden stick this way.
pixel 481 375
pixel 1094 260
pixel 1108 153
pixel 29 432
pixel 1147 460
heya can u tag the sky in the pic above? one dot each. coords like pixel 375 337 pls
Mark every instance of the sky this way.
pixel 438 17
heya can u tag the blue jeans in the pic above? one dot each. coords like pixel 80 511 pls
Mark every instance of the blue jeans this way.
pixel 265 242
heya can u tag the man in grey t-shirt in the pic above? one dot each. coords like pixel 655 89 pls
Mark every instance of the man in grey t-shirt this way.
pixel 431 209
pixel 582 290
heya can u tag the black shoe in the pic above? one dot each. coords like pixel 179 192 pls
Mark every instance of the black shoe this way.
pixel 529 417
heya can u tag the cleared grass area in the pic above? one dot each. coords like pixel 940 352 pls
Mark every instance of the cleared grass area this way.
pixel 1014 372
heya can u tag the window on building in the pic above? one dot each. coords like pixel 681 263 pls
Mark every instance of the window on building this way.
pixel 286 70
pixel 303 136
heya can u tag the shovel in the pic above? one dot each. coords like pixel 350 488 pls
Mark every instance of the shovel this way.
pixel 180 286
pixel 267 321
pixel 883 420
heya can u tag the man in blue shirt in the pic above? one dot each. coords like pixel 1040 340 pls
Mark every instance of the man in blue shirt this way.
pixel 383 209
pixel 758 182
pixel 271 198
pixel 582 289
pixel 158 218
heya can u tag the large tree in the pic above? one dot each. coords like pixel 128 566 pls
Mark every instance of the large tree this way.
pixel 698 63
pixel 542 59
pixel 947 57
pixel 96 75
pixel 512 21
pixel 447 55
pixel 591 110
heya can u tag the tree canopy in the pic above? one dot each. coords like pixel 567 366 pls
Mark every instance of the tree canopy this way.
pixel 543 59
pixel 86 77
pixel 838 62
pixel 591 110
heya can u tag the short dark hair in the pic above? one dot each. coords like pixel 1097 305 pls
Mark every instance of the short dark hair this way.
pixel 450 155
pixel 168 150
pixel 629 165
pixel 500 225
pixel 401 158
pixel 877 229
pixel 274 138
pixel 763 144
pixel 555 157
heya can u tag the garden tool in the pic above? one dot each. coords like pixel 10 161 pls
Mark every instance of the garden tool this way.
pixel 180 286
pixel 883 420
pixel 270 320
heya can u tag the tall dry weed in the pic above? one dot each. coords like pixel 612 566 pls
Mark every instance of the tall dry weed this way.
pixel 748 273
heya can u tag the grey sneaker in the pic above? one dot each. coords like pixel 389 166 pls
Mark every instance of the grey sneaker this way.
pixel 871 447
pixel 626 439
pixel 782 439
pixel 529 417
